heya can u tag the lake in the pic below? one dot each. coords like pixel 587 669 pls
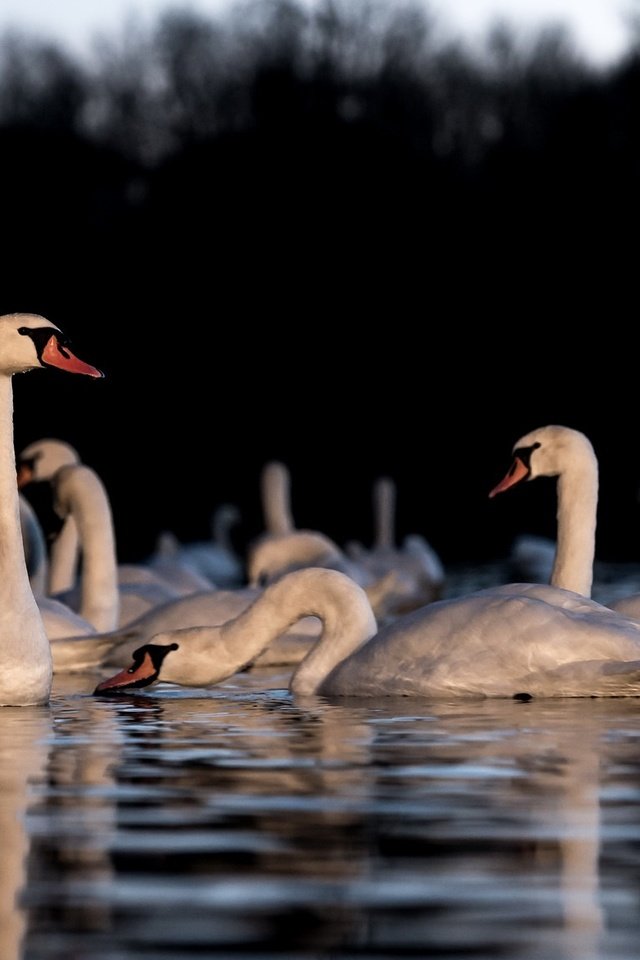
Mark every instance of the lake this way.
pixel 242 822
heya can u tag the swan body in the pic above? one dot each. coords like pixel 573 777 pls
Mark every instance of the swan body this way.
pixel 175 569
pixel 515 640
pixel 27 342
pixel 627 606
pixel 61 621
pixel 215 558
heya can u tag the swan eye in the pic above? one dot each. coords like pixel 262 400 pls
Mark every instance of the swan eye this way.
pixel 524 454
pixel 24 331
pixel 262 579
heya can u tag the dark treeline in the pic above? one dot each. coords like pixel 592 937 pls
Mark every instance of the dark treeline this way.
pixel 334 237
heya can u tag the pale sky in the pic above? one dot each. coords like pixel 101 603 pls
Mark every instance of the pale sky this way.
pixel 597 25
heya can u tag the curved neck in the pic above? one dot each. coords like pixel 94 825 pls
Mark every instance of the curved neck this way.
pixel 63 565
pixel 341 605
pixel 276 499
pixel 80 492
pixel 576 535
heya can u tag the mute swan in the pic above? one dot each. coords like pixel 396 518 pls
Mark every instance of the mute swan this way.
pixel 419 568
pixel 97 600
pixel 515 640
pixel 76 644
pixel 216 558
pixel 39 462
pixel 283 548
pixel 76 652
pixel 27 342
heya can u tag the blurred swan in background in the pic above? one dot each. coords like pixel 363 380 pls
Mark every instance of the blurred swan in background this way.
pixel 84 552
pixel 282 548
pixel 418 566
pixel 215 559
pixel 39 462
pixel 514 640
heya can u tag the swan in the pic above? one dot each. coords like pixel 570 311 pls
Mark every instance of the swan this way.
pixel 79 644
pixel 514 640
pixel 39 462
pixel 82 650
pixel 27 342
pixel 97 600
pixel 283 548
pixel 216 558
pixel 419 568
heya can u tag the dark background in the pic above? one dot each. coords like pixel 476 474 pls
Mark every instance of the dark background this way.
pixel 329 238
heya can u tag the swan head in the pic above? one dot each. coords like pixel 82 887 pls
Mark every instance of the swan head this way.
pixel 29 341
pixel 546 452
pixel 145 669
pixel 42 459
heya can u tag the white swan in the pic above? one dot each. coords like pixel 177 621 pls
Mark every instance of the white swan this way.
pixel 39 462
pixel 283 548
pixel 216 558
pixel 420 571
pixel 515 640
pixel 96 599
pixel 75 652
pixel 27 342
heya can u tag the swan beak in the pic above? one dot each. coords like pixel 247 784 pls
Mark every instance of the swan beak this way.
pixel 57 354
pixel 517 472
pixel 147 661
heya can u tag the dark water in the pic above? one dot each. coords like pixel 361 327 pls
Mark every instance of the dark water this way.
pixel 241 822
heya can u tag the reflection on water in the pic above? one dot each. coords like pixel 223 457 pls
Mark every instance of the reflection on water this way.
pixel 240 821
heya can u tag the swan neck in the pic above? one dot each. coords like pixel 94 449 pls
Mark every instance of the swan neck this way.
pixel 336 600
pixel 385 508
pixel 63 562
pixel 276 500
pixel 80 493
pixel 13 567
pixel 576 529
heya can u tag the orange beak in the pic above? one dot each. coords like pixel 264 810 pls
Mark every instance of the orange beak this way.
pixel 517 472
pixel 56 354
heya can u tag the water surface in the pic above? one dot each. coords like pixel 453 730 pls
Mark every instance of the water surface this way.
pixel 243 822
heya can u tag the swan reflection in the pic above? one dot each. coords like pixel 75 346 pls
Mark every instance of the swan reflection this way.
pixel 233 819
